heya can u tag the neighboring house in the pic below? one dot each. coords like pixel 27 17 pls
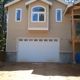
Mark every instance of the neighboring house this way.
pixel 41 30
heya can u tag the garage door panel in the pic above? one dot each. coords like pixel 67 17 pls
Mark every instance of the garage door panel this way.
pixel 38 51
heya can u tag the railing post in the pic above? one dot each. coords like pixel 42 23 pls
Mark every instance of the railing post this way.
pixel 73 37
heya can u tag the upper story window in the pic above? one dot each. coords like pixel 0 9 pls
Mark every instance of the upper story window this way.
pixel 18 15
pixel 38 14
pixel 59 15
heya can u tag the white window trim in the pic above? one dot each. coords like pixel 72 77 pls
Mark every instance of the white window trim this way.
pixel 38 13
pixel 60 15
pixel 16 15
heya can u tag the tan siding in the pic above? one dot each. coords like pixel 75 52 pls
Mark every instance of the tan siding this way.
pixel 56 29
pixel 16 29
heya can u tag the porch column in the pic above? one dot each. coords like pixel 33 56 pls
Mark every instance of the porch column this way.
pixel 73 38
pixel 74 51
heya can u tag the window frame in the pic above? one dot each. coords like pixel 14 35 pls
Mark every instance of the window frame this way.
pixel 20 15
pixel 77 29
pixel 74 18
pixel 60 15
pixel 38 13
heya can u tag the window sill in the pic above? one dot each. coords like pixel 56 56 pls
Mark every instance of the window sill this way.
pixel 38 29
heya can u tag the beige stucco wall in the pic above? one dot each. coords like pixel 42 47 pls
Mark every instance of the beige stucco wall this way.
pixel 61 30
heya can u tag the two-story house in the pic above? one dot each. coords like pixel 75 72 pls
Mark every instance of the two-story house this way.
pixel 42 30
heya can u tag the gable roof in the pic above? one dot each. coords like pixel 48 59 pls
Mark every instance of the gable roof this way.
pixel 28 2
pixel 62 2
pixel 31 1
pixel 46 1
pixel 70 5
pixel 10 3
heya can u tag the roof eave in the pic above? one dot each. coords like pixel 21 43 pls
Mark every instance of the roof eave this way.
pixel 62 2
pixel 70 6
pixel 46 1
pixel 10 3
pixel 29 2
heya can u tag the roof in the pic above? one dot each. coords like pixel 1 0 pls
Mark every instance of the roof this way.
pixel 10 3
pixel 31 1
pixel 28 2
pixel 45 1
pixel 70 5
pixel 63 2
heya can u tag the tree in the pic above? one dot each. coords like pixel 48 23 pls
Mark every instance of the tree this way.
pixel 3 25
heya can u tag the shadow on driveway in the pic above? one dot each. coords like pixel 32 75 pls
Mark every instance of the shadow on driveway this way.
pixel 46 69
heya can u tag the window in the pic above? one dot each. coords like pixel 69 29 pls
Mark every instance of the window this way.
pixel 76 17
pixel 77 28
pixel 59 15
pixel 18 15
pixel 38 14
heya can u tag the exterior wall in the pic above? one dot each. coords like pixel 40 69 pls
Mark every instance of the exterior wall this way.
pixel 38 24
pixel 65 57
pixel 11 56
pixel 61 30
pixel 16 29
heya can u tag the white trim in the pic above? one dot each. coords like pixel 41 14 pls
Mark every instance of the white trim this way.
pixel 65 51
pixel 16 15
pixel 38 17
pixel 65 10
pixel 37 38
pixel 10 3
pixel 31 1
pixel 47 15
pixel 60 15
pixel 70 5
pixel 7 32
pixel 48 2
pixel 17 40
pixel 28 16
pixel 37 28
pixel 63 2
pixel 38 13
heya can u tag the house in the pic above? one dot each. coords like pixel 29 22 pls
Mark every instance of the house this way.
pixel 43 30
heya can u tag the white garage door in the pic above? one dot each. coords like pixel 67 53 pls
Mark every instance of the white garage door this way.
pixel 38 50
